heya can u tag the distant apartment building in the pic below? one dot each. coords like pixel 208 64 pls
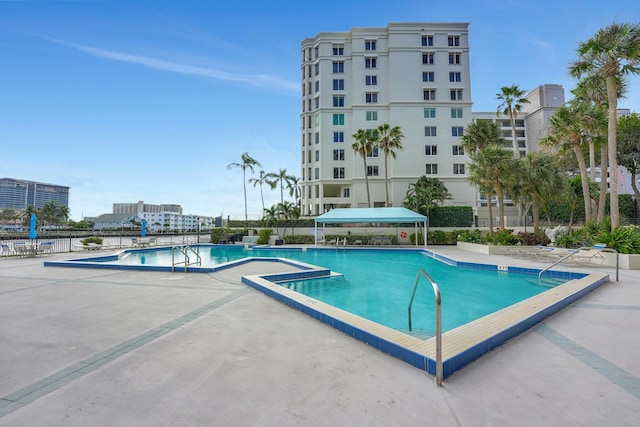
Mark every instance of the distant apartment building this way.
pixel 142 207
pixel 412 75
pixel 20 193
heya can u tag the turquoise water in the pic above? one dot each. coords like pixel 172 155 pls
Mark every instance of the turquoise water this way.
pixel 377 284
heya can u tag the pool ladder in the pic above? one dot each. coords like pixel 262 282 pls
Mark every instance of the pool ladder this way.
pixel 436 291
pixel 184 250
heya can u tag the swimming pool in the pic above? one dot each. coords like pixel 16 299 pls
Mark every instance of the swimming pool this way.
pixel 473 328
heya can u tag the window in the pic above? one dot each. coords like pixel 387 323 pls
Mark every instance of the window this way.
pixel 338 137
pixel 428 76
pixel 458 168
pixel 458 150
pixel 430 150
pixel 372 116
pixel 429 94
pixel 456 94
pixel 370 45
pixel 317 101
pixel 371 80
pixel 309 70
pixel 338 173
pixel 429 131
pixel 338 84
pixel 338 154
pixel 338 67
pixel 427 40
pixel 317 137
pixel 316 52
pixel 317 173
pixel 454 58
pixel 338 49
pixel 372 170
pixel 429 113
pixel 453 41
pixel 346 192
pixel 457 131
pixel 338 100
pixel 371 97
pixel 455 76
pixel 456 113
pixel 317 155
pixel 431 169
pixel 373 152
pixel 428 58
pixel 316 69
pixel 370 62
pixel 338 119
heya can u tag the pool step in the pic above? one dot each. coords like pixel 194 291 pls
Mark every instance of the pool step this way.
pixel 547 282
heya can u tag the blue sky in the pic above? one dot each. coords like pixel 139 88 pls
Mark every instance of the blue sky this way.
pixel 151 100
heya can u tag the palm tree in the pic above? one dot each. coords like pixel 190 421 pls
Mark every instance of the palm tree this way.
pixel 364 141
pixel 490 167
pixel 513 100
pixel 263 179
pixel 613 53
pixel 293 185
pixel 389 139
pixel 288 211
pixel 571 126
pixel 248 162
pixel 283 179
pixel 538 177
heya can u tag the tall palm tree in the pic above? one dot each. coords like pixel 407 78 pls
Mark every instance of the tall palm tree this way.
pixel 571 126
pixel 293 185
pixel 280 178
pixel 490 167
pixel 389 140
pixel 513 100
pixel 261 180
pixel 364 142
pixel 248 162
pixel 613 53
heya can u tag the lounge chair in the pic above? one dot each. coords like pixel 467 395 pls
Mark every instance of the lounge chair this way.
pixel 45 248
pixel 587 257
pixel 6 249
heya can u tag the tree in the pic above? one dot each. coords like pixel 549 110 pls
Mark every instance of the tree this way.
pixel 281 178
pixel 263 179
pixel 628 137
pixel 538 177
pixel 248 162
pixel 613 53
pixel 364 142
pixel 425 194
pixel 571 126
pixel 490 166
pixel 288 211
pixel 294 189
pixel 389 140
pixel 513 100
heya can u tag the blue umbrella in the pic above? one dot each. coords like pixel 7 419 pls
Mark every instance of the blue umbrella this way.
pixel 143 232
pixel 32 227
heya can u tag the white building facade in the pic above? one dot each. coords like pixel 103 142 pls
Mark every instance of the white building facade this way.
pixel 412 75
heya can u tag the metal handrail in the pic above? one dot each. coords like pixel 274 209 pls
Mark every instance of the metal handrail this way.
pixel 436 291
pixel 578 251
pixel 183 250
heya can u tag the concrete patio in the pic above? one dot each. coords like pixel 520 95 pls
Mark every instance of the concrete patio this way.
pixel 95 347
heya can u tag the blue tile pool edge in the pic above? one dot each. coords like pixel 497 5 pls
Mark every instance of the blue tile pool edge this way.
pixel 414 358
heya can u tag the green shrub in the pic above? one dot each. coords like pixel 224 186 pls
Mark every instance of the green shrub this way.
pixel 301 239
pixel 92 239
pixel 263 236
pixel 503 237
pixel 472 236
pixel 625 240
pixel 569 240
pixel 451 216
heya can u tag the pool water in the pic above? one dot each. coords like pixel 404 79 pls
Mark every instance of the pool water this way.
pixel 377 284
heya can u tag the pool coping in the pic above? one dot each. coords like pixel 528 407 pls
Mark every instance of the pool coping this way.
pixel 460 346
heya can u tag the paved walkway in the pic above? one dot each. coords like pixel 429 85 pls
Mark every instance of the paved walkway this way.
pixel 83 347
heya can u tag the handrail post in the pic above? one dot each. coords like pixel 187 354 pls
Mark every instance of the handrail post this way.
pixel 436 291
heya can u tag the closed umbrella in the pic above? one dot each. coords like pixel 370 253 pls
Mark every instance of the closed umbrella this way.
pixel 143 232
pixel 32 227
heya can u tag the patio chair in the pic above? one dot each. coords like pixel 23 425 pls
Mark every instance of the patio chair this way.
pixel 45 248
pixel 587 257
pixel 6 249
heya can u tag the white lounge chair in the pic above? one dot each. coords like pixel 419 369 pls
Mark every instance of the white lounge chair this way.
pixel 587 257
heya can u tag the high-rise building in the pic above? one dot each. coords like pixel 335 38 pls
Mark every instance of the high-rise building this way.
pixel 411 75
pixel 20 193
pixel 142 207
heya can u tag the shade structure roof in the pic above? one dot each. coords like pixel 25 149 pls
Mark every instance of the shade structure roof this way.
pixel 382 215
